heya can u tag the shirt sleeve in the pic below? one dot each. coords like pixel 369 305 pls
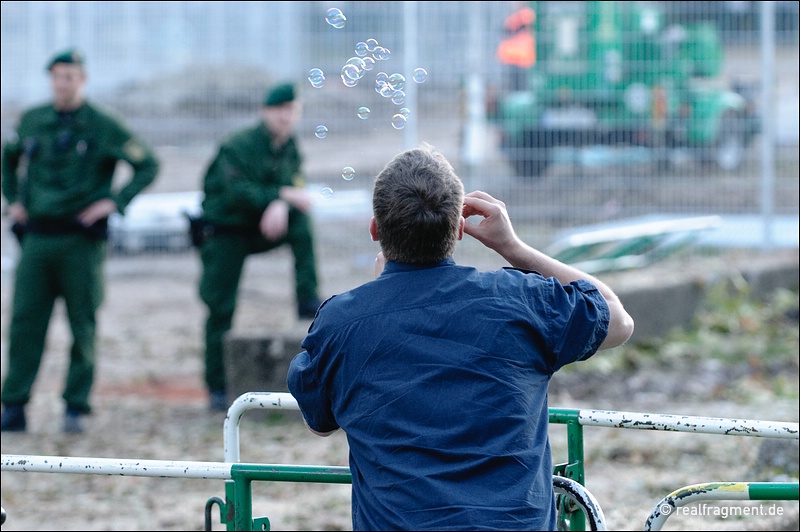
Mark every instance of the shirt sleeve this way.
pixel 583 325
pixel 10 161
pixel 310 393
pixel 127 146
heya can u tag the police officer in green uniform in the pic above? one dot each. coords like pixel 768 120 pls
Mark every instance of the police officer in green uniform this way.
pixel 57 179
pixel 254 202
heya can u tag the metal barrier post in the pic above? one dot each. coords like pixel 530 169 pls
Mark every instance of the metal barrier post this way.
pixel 570 515
pixel 574 467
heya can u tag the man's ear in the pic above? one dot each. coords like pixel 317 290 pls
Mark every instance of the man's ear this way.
pixel 461 223
pixel 373 229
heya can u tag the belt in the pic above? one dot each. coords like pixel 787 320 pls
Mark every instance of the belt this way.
pixel 67 226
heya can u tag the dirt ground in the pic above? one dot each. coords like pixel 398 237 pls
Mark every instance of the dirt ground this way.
pixel 150 404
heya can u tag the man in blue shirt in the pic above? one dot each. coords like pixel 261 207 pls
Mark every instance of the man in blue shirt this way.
pixel 437 372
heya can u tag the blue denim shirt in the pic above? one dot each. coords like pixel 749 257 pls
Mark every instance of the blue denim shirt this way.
pixel 438 375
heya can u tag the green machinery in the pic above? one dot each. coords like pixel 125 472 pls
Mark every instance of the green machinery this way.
pixel 619 73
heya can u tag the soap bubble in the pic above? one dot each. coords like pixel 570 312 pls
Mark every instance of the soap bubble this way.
pixel 397 81
pixel 326 192
pixel 351 71
pixel 381 54
pixel 358 64
pixel 363 113
pixel 398 121
pixel 420 75
pixel 316 77
pixel 348 173
pixel 361 49
pixel 386 90
pixel 321 132
pixel 335 18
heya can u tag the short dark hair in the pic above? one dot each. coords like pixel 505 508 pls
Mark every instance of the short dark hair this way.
pixel 417 203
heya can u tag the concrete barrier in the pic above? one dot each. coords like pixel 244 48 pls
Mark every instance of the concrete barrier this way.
pixel 671 301
pixel 258 360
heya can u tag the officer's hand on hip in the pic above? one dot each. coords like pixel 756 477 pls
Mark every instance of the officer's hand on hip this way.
pixel 17 212
pixel 96 211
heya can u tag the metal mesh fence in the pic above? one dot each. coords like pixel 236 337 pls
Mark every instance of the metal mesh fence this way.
pixel 632 111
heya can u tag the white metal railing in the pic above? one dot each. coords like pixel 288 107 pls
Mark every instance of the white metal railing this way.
pixel 232 470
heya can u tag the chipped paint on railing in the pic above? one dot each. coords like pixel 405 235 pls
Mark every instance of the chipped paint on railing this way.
pixel 583 498
pixel 717 491
pixel 698 424
pixel 116 466
pixel 243 403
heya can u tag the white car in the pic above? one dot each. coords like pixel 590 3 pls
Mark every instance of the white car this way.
pixel 156 223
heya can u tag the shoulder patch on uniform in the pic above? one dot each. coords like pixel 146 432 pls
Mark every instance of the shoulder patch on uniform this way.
pixel 134 150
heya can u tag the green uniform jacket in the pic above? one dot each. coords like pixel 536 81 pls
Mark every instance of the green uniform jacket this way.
pixel 246 176
pixel 56 168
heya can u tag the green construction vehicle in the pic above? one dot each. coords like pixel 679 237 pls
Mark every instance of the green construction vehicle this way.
pixel 610 73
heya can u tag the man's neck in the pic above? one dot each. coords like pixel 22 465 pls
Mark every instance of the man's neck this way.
pixel 68 107
pixel 278 142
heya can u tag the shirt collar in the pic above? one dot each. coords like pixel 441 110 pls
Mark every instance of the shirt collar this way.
pixel 77 114
pixel 396 267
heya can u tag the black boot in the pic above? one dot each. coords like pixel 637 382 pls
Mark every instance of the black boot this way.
pixel 13 419
pixel 218 401
pixel 73 420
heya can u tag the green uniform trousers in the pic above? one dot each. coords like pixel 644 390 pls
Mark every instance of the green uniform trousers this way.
pixel 223 258
pixel 51 266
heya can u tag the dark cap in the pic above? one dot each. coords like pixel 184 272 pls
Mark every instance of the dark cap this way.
pixel 70 56
pixel 280 94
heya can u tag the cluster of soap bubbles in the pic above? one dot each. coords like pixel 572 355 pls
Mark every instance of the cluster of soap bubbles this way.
pixel 389 86
pixel 356 67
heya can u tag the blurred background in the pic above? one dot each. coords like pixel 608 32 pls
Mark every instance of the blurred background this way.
pixel 619 134
pixel 634 130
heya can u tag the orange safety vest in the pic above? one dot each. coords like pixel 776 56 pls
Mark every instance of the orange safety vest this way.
pixel 518 50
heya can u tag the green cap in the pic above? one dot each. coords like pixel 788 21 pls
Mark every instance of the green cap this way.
pixel 70 56
pixel 279 94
